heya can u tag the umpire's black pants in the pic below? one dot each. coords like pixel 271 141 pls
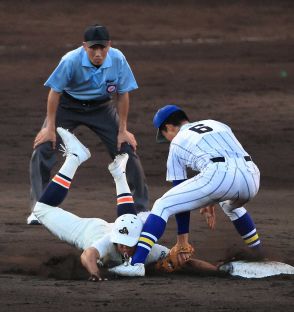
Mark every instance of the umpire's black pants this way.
pixel 103 120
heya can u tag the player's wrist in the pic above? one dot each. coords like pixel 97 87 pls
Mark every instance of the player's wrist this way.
pixel 50 126
pixel 122 129
pixel 183 239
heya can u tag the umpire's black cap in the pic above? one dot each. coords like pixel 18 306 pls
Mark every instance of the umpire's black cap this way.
pixel 96 34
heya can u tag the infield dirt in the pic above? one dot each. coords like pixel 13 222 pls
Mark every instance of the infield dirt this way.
pixel 231 61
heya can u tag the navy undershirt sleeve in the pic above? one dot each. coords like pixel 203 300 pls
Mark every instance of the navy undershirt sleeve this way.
pixel 182 218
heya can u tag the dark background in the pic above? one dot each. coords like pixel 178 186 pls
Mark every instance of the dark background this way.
pixel 227 60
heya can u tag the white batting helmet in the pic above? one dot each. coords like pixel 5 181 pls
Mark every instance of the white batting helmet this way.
pixel 126 230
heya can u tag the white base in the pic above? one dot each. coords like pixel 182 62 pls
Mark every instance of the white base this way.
pixel 259 269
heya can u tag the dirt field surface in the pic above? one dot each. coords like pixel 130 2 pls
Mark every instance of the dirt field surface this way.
pixel 227 60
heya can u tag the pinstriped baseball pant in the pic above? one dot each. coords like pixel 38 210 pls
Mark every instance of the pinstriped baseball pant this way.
pixel 231 184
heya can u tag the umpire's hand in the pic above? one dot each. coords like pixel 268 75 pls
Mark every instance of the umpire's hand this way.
pixel 45 135
pixel 126 136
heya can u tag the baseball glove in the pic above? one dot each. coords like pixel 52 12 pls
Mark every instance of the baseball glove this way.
pixel 173 262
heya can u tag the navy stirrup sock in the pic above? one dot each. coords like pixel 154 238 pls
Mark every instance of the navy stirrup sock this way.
pixel 125 204
pixel 56 190
pixel 246 228
pixel 152 230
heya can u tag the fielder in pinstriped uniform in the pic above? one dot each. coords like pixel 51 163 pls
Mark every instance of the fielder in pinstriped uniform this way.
pixel 227 176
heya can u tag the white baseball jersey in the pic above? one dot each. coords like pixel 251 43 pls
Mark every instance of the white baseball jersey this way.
pixel 227 175
pixel 87 232
pixel 109 254
pixel 197 143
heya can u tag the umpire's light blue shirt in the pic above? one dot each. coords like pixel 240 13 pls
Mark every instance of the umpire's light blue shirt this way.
pixel 76 75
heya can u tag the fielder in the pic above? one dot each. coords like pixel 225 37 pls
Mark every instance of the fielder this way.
pixel 227 176
pixel 102 242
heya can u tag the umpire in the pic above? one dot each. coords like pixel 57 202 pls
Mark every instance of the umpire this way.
pixel 81 90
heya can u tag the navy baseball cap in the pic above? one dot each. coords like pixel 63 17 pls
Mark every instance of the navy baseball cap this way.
pixel 160 117
pixel 96 34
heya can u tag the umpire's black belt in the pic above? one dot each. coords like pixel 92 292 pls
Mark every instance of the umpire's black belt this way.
pixel 222 159
pixel 86 103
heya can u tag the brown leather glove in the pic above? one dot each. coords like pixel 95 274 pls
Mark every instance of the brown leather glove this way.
pixel 173 261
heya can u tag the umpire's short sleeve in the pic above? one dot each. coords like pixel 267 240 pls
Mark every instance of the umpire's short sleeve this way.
pixel 61 76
